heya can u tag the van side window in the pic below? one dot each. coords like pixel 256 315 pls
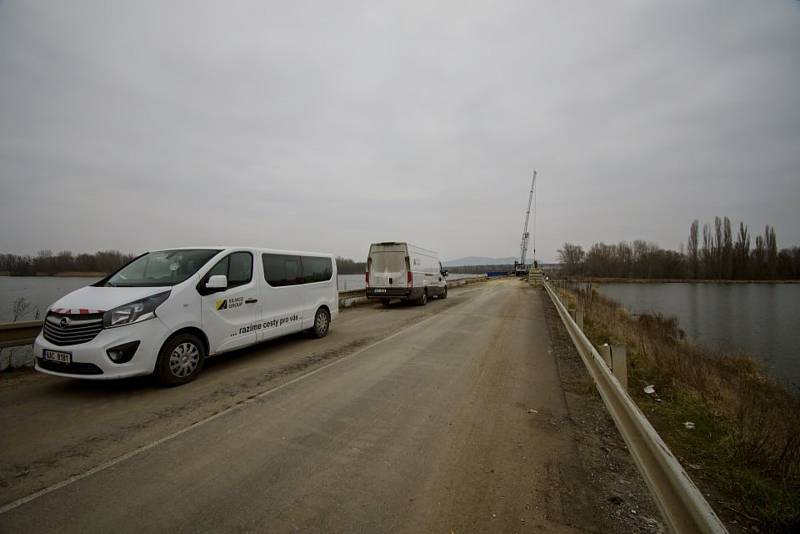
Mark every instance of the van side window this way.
pixel 293 276
pixel 282 270
pixel 220 268
pixel 316 269
pixel 240 268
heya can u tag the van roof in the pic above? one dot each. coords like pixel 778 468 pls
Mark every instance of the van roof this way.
pixel 409 245
pixel 250 248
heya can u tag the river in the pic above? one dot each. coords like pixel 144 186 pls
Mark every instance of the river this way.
pixel 760 319
pixel 41 291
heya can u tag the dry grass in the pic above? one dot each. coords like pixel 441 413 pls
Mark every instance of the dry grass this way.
pixel 746 443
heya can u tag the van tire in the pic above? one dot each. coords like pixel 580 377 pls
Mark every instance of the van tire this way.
pixel 444 293
pixel 423 300
pixel 322 323
pixel 180 360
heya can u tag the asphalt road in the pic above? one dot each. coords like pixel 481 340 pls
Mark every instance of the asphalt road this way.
pixel 444 418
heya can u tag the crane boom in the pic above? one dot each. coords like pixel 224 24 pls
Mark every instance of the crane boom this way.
pixel 523 248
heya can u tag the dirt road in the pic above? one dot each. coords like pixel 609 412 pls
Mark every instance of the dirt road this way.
pixel 447 418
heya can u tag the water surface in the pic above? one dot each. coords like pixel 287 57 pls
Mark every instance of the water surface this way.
pixel 760 319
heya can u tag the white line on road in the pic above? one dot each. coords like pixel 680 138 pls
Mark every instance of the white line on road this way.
pixel 136 452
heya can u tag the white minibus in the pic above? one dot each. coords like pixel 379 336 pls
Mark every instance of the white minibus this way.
pixel 166 311
pixel 404 271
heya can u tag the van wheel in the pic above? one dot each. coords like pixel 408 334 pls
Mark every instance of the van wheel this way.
pixel 444 293
pixel 322 322
pixel 423 300
pixel 180 360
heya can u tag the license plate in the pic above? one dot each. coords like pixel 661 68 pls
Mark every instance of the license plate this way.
pixel 57 356
pixel 380 291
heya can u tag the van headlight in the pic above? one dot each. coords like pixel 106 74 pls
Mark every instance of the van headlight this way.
pixel 134 312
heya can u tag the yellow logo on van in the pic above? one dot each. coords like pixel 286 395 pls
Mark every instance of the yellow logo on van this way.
pixel 222 304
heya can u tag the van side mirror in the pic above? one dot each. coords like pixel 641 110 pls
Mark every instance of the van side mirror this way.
pixel 218 281
pixel 444 273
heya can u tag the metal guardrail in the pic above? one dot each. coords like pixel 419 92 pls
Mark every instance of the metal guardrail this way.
pixel 19 333
pixel 25 332
pixel 681 503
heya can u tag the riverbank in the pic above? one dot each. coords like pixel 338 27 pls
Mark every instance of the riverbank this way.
pixel 68 274
pixel 610 280
pixel 743 446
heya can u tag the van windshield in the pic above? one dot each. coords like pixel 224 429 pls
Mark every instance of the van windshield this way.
pixel 388 262
pixel 161 268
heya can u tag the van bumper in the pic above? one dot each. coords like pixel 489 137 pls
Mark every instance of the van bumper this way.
pixel 90 361
pixel 402 293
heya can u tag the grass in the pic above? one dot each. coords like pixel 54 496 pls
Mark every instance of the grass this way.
pixel 745 448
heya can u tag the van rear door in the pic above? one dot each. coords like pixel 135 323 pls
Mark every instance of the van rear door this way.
pixel 387 265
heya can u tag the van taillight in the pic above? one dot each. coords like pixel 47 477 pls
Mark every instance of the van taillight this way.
pixel 366 277
pixel 410 278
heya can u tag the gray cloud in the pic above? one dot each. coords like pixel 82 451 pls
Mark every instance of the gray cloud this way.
pixel 325 127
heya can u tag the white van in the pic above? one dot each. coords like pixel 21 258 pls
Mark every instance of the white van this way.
pixel 404 271
pixel 165 311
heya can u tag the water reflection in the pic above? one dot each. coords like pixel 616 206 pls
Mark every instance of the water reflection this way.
pixel 760 319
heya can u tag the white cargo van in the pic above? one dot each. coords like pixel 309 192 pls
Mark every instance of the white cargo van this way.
pixel 404 271
pixel 165 311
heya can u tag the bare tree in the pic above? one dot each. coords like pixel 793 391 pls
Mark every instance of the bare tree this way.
pixel 571 257
pixel 692 249
pixel 727 249
pixel 771 245
pixel 717 248
pixel 19 309
pixel 758 258
pixel 707 252
pixel 741 253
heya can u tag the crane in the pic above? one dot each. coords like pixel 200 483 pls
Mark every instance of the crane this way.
pixel 520 269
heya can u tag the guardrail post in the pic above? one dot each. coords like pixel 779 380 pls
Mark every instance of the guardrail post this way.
pixel 605 352
pixel 619 364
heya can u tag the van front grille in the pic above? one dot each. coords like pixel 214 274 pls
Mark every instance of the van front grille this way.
pixel 63 329
pixel 74 368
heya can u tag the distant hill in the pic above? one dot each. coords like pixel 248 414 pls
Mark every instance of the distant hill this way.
pixel 479 260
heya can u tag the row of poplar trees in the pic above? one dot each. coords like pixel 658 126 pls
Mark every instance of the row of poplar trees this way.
pixel 716 254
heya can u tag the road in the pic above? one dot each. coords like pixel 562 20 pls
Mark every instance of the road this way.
pixel 444 418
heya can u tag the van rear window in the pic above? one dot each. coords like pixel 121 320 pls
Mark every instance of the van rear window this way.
pixel 316 269
pixel 388 262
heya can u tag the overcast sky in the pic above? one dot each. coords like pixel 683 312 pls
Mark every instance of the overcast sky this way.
pixel 328 125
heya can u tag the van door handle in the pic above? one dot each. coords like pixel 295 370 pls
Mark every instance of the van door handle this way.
pixel 250 301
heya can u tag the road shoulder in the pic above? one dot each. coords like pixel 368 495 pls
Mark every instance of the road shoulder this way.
pixel 617 487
